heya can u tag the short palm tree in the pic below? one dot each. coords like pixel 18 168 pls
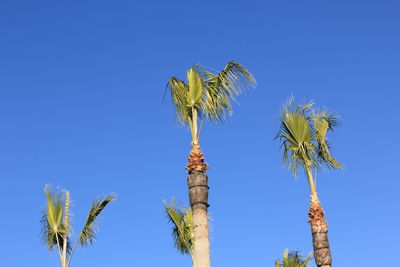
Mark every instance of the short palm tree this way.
pixel 56 226
pixel 292 259
pixel 303 138
pixel 205 96
pixel 182 230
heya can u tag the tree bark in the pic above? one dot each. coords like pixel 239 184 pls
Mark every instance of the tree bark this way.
pixel 198 196
pixel 319 231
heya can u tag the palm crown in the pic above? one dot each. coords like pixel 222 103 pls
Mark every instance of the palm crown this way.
pixel 292 259
pixel 56 227
pixel 303 137
pixel 208 95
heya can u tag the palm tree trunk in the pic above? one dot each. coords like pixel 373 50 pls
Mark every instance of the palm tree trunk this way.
pixel 319 231
pixel 319 227
pixel 198 195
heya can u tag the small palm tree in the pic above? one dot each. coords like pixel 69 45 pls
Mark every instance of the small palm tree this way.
pixel 303 138
pixel 205 96
pixel 56 226
pixel 182 230
pixel 293 259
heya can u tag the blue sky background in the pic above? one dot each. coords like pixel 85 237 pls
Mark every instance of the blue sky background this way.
pixel 81 86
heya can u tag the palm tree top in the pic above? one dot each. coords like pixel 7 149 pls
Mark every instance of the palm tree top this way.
pixel 303 136
pixel 293 259
pixel 56 227
pixel 207 95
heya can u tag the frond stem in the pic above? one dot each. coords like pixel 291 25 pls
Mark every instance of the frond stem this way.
pixel 73 250
pixel 201 127
pixel 194 130
pixel 311 184
pixel 59 251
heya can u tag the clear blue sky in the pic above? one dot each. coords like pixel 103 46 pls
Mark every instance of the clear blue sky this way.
pixel 81 84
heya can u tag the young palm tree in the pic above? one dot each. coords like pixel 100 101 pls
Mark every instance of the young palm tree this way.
pixel 205 96
pixel 182 230
pixel 56 228
pixel 292 259
pixel 303 138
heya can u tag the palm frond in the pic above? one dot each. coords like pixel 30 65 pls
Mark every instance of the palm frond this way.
pixel 179 91
pixel 221 89
pixel 296 136
pixel 53 230
pixel 293 259
pixel 303 138
pixel 182 230
pixel 195 91
pixel 88 234
pixel 323 122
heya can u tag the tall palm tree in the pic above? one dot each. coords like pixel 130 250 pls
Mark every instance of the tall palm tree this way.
pixel 292 259
pixel 205 96
pixel 303 138
pixel 56 226
pixel 182 230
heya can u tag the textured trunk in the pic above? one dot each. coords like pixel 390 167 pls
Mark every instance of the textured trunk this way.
pixel 198 195
pixel 319 231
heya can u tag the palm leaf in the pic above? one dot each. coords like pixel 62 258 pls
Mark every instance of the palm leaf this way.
pixel 88 234
pixel 182 230
pixel 195 87
pixel 323 122
pixel 296 136
pixel 53 228
pixel 179 92
pixel 293 259
pixel 221 89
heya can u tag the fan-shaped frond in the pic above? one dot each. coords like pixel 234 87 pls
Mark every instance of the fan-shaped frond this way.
pixel 222 87
pixel 88 234
pixel 293 259
pixel 296 137
pixel 179 93
pixel 323 121
pixel 182 230
pixel 303 138
pixel 53 228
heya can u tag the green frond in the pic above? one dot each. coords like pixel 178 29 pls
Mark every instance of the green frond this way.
pixel 303 138
pixel 323 122
pixel 296 137
pixel 53 228
pixel 179 93
pixel 88 234
pixel 221 89
pixel 182 230
pixel 195 88
pixel 293 259
pixel 207 95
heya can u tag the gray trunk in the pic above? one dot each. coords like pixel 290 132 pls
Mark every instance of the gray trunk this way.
pixel 322 253
pixel 198 195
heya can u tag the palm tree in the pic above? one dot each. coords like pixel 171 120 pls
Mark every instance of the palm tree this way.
pixel 292 259
pixel 182 230
pixel 56 226
pixel 303 138
pixel 205 96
